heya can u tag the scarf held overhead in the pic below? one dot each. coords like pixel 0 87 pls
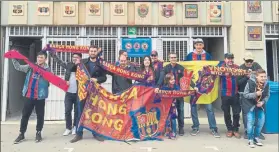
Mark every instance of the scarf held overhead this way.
pixel 53 79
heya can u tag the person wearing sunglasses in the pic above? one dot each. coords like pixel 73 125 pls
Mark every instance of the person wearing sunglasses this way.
pixel 158 68
pixel 250 66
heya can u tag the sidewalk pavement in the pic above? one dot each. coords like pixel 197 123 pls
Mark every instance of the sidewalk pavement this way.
pixel 53 141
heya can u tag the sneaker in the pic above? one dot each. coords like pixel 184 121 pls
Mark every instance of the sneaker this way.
pixel 229 134
pixel 172 136
pixel 245 136
pixel 181 132
pixel 251 144
pixel 74 130
pixel 262 137
pixel 38 137
pixel 99 138
pixel 76 138
pixel 258 142
pixel 67 132
pixel 19 138
pixel 215 134
pixel 237 134
pixel 194 132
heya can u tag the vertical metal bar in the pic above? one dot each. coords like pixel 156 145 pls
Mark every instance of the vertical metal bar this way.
pixel 5 78
pixel 225 40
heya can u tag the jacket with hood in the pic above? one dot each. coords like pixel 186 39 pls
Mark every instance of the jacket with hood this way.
pixel 250 96
pixel 242 80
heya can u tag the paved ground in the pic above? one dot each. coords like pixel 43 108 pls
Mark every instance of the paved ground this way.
pixel 54 142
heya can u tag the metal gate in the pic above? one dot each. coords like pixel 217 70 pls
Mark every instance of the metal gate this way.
pixel 55 108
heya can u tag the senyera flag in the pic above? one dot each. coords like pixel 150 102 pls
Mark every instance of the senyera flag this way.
pixel 53 79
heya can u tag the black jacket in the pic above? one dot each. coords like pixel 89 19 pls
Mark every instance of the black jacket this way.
pixel 98 72
pixel 242 80
pixel 70 66
pixel 250 95
pixel 120 83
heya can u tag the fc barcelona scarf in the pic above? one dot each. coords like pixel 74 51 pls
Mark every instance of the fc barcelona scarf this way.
pixel 53 79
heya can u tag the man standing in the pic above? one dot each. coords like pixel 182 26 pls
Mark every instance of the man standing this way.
pixel 200 54
pixel 71 94
pixel 35 89
pixel 177 71
pixel 158 68
pixel 230 97
pixel 252 67
pixel 120 83
pixel 97 75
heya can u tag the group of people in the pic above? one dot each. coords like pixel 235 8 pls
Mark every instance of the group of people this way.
pixel 246 93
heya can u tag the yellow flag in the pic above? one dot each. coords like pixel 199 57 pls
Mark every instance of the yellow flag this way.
pixel 196 66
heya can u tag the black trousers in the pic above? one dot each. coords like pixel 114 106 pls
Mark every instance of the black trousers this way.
pixel 180 112
pixel 27 111
pixel 70 100
pixel 228 103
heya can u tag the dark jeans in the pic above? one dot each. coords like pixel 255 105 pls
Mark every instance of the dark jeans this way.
pixel 180 112
pixel 80 107
pixel 228 103
pixel 70 100
pixel 27 111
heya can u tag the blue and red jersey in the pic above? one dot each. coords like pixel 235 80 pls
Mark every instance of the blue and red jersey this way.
pixel 194 56
pixel 33 86
pixel 228 83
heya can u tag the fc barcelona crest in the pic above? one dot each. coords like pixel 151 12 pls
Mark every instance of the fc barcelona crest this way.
pixel 43 9
pixel 17 10
pixel 118 10
pixel 69 10
pixel 95 10
pixel 143 10
pixel 167 10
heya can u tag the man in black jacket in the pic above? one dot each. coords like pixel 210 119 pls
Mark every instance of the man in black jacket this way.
pixel 158 68
pixel 120 83
pixel 97 75
pixel 251 66
pixel 71 94
pixel 178 71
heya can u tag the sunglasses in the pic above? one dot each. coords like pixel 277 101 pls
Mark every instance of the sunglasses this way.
pixel 249 61
pixel 153 55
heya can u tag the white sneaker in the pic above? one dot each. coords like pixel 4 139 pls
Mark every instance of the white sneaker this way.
pixel 251 144
pixel 258 142
pixel 67 132
pixel 74 130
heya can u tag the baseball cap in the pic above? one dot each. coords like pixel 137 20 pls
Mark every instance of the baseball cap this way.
pixel 198 40
pixel 229 56
pixel 154 53
pixel 248 56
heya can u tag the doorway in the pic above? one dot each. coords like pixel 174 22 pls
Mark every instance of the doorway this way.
pixel 272 59
pixel 28 47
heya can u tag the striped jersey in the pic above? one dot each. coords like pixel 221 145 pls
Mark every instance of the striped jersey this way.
pixel 194 56
pixel 228 83
pixel 33 85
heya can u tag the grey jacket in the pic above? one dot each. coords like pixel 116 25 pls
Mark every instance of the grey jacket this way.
pixel 250 96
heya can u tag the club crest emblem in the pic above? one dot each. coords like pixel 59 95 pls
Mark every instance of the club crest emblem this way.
pixel 144 46
pixel 118 9
pixel 136 46
pixel 143 10
pixel 17 10
pixel 95 9
pixel 43 9
pixel 167 10
pixel 69 10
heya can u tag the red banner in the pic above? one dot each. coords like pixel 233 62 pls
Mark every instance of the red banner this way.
pixel 55 80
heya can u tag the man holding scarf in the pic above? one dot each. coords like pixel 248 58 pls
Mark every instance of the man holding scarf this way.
pixel 252 67
pixel 98 75
pixel 230 97
pixel 35 89
pixel 200 54
pixel 71 94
